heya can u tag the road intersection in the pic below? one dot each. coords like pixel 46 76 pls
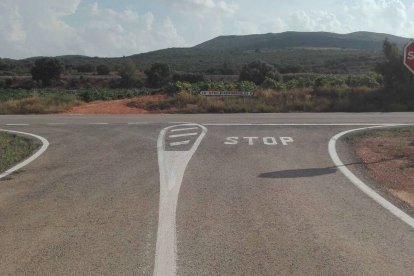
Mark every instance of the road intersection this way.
pixel 271 202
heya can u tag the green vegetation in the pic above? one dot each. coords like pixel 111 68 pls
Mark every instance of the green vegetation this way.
pixel 46 70
pixel 36 104
pixel 312 94
pixel 43 101
pixel 315 77
pixel 102 70
pixel 290 52
pixel 158 75
pixel 258 72
pixel 358 40
pixel 14 149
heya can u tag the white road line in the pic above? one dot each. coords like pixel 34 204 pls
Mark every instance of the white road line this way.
pixel 17 124
pixel 172 165
pixel 183 135
pixel 305 124
pixel 138 123
pixel 98 124
pixel 43 148
pixel 183 129
pixel 175 144
pixel 361 185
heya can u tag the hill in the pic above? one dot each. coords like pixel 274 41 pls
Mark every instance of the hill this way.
pixel 357 40
pixel 290 52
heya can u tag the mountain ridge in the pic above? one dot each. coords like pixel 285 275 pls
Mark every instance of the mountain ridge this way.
pixel 320 52
pixel 361 40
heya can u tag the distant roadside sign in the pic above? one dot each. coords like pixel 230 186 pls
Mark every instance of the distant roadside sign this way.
pixel 409 56
pixel 227 93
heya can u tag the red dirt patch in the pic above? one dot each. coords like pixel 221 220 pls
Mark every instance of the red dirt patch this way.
pixel 390 162
pixel 114 107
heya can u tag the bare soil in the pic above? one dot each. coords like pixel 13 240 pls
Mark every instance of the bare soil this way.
pixel 115 107
pixel 389 157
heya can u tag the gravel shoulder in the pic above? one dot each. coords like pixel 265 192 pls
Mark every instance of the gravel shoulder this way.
pixel 114 107
pixel 388 157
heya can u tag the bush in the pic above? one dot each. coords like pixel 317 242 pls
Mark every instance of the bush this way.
pixel 158 75
pixel 186 77
pixel 46 70
pixel 36 104
pixel 102 69
pixel 85 68
pixel 257 72
pixel 127 73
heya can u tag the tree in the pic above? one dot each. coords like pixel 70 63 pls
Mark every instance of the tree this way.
pixel 393 70
pixel 85 68
pixel 158 75
pixel 3 65
pixel 257 72
pixel 127 73
pixel 103 69
pixel 398 80
pixel 46 70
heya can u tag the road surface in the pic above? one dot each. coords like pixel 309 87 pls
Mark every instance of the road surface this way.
pixel 196 195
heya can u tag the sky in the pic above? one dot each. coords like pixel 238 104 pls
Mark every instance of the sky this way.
pixel 124 27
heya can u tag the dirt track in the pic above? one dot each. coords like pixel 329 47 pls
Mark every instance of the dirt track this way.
pixel 113 107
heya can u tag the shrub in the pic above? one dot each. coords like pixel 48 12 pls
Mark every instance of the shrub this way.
pixel 46 70
pixel 257 72
pixel 127 73
pixel 158 75
pixel 102 69
pixel 186 77
pixel 85 68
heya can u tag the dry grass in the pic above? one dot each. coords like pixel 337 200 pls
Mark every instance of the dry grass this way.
pixel 36 104
pixel 264 101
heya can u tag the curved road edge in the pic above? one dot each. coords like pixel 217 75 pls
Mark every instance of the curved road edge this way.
pixel 37 154
pixel 361 185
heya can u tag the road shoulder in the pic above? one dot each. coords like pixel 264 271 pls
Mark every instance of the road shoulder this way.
pixel 364 163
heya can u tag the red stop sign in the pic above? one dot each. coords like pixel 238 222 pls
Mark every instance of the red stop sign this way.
pixel 409 56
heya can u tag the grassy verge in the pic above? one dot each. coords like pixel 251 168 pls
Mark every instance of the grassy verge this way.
pixel 14 149
pixel 45 101
pixel 360 99
pixel 36 104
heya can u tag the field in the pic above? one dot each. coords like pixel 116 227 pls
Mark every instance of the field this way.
pixel 44 101
pixel 291 93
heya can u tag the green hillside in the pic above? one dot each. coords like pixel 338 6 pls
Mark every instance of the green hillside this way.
pixel 358 40
pixel 291 52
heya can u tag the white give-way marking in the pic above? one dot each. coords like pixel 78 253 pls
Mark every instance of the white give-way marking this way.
pixel 175 144
pixel 43 148
pixel 184 129
pixel 183 135
pixel 361 185
pixel 172 165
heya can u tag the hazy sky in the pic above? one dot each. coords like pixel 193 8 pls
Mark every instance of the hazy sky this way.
pixel 125 27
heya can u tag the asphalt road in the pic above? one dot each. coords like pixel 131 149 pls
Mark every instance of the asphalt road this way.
pixel 258 195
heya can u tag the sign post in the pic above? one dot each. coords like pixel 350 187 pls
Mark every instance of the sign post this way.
pixel 409 56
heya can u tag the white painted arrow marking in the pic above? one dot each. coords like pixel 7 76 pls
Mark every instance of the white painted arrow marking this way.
pixel 172 165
